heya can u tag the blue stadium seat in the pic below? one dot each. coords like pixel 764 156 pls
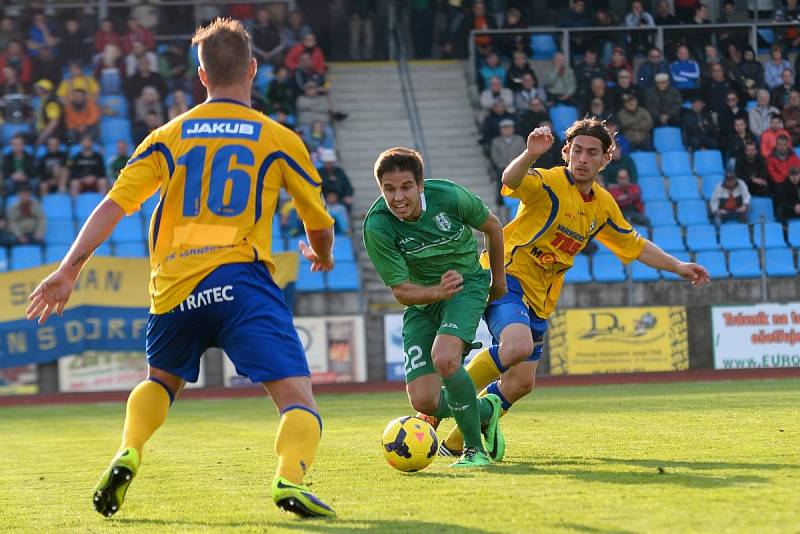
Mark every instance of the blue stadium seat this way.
pixel 75 149
pixel 344 277
pixel 103 250
pixel 794 233
pixel 643 230
pixel 149 206
pixel 57 206
pixel 646 164
pixel 343 249
pixel 750 105
pixel 264 75
pixel 4 263
pixel 644 273
pixel 602 250
pixel 543 45
pixel 27 149
pixel 130 250
pixel 512 204
pixel 708 162
pixel 701 237
pixel 579 272
pixel 714 262
pixel 692 212
pixel 735 236
pixel 744 264
pixel 60 232
pixel 710 182
pixel 683 188
pixel 114 129
pixel 110 82
pixel 55 253
pixel 660 212
pixel 652 188
pixel 26 256
pixel 278 244
pixel 761 206
pixel 129 230
pixel 562 117
pixel 41 150
pixel 607 268
pixel 682 256
pixel 113 106
pixel 773 235
pixel 780 262
pixel 797 151
pixel 667 139
pixel 308 281
pixel 10 129
pixel 676 163
pixel 669 238
pixel 85 204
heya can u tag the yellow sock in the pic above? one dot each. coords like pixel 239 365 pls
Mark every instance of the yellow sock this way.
pixel 483 369
pixel 147 408
pixel 296 443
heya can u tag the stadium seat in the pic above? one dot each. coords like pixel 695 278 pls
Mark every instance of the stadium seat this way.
pixel 114 129
pixel 676 163
pixel 57 206
pixel 794 233
pixel 110 82
pixel 278 244
pixel 345 277
pixel 714 262
pixel 701 237
pixel 607 268
pixel 692 212
pixel 543 46
pixel 710 182
pixel 602 250
pixel 113 106
pixel 708 162
pixel 744 264
pixel 652 188
pixel 264 75
pixel 735 236
pixel 643 273
pixel 667 139
pixel 343 249
pixel 644 231
pixel 149 206
pixel 308 281
pixel 55 253
pixel 683 188
pixel 562 117
pixel 669 238
pixel 131 250
pixel 85 204
pixel 682 256
pixel 779 262
pixel 660 212
pixel 60 232
pixel 579 272
pixel 26 256
pixel 797 151
pixel 4 264
pixel 646 164
pixel 103 250
pixel 129 230
pixel 27 149
pixel 75 149
pixel 10 129
pixel 750 105
pixel 512 204
pixel 773 235
pixel 761 206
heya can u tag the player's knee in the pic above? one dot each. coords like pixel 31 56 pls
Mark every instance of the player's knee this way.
pixel 524 383
pixel 445 365
pixel 516 350
pixel 425 405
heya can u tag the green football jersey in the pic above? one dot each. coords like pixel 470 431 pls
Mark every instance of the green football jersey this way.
pixel 441 239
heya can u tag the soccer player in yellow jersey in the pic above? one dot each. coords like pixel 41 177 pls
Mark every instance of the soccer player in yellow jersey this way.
pixel 561 210
pixel 218 168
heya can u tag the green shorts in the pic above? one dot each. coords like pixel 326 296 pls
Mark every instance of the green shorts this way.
pixel 458 316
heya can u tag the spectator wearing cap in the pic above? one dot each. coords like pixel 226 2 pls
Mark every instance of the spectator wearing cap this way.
pixel 779 96
pixel 623 87
pixel 699 129
pixel 334 179
pixel 18 166
pixel 619 162
pixel 769 137
pixel 759 115
pixel 752 168
pixel 773 69
pixel 780 160
pixel 664 102
pixel 559 80
pixel 51 168
pixel 636 123
pixel 505 147
pixel 26 219
pixel 730 200
pixel 76 80
pixel 787 197
pixel 791 117
pixel 628 196
pixel 15 57
pixel 729 113
pixel 685 71
pixel 81 116
pixel 654 65
pixel 496 91
pixel 49 112
pixel 87 170
pixel 308 46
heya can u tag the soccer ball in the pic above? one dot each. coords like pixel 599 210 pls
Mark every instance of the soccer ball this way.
pixel 409 444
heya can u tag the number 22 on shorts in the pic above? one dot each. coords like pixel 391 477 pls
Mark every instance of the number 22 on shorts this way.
pixel 413 359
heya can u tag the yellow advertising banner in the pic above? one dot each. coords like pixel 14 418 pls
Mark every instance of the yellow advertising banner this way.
pixel 618 340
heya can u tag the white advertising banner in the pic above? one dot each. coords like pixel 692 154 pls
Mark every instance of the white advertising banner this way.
pixel 334 346
pixel 756 337
pixel 393 344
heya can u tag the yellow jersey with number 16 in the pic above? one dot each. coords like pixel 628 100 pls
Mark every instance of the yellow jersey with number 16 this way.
pixel 219 168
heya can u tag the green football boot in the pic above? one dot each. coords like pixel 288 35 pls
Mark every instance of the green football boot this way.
pixel 495 440
pixel 298 499
pixel 472 457
pixel 110 490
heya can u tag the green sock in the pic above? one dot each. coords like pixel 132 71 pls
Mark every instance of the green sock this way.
pixel 443 411
pixel 485 408
pixel 460 394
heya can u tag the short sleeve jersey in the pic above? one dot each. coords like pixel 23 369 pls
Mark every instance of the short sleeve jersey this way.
pixel 441 239
pixel 554 222
pixel 218 169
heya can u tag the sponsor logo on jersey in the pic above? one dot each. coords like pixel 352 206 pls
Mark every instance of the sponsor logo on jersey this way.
pixel 544 258
pixel 449 325
pixel 222 128
pixel 442 222
pixel 593 225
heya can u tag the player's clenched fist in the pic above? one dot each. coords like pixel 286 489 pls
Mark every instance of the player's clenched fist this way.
pixel 539 141
pixel 451 283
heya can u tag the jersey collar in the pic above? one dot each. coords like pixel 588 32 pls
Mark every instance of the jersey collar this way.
pixel 225 101
pixel 422 204
pixel 586 197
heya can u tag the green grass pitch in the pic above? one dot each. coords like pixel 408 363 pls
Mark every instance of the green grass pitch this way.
pixel 690 457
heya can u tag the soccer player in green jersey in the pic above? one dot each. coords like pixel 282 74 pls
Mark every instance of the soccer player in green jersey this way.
pixel 419 237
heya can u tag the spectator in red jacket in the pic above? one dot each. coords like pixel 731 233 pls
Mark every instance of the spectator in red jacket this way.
pixel 106 35
pixel 781 160
pixel 16 58
pixel 629 198
pixel 308 46
pixel 769 137
pixel 137 33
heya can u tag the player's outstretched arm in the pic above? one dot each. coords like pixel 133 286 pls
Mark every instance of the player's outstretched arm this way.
pixel 493 241
pixel 539 142
pixel 52 293
pixel 319 253
pixel 409 294
pixel 653 256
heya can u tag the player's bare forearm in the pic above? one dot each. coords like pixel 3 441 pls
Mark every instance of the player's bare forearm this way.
pixel 409 294
pixel 493 241
pixel 321 241
pixel 654 257
pixel 97 228
pixel 518 168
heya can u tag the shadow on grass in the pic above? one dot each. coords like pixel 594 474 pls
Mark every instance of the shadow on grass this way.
pixel 576 527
